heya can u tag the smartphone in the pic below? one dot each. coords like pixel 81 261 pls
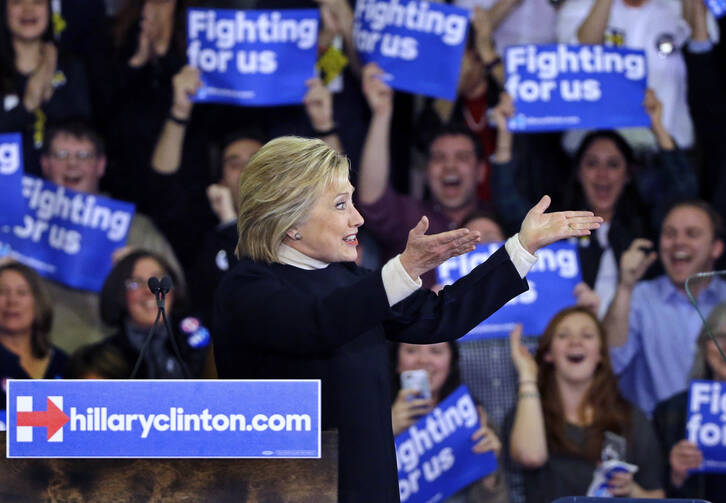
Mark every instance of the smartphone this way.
pixel 613 447
pixel 417 380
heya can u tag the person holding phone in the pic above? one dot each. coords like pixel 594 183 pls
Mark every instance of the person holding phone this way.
pixel 440 363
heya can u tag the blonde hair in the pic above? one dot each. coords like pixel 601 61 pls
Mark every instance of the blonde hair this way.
pixel 278 188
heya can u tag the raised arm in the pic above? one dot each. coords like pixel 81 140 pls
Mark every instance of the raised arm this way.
pixel 166 158
pixel 633 264
pixel 528 440
pixel 592 30
pixel 375 159
pixel 319 107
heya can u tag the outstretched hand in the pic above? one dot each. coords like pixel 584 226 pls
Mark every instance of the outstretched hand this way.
pixel 541 229
pixel 424 252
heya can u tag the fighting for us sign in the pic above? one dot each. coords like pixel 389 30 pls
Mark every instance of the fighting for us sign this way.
pixel 158 419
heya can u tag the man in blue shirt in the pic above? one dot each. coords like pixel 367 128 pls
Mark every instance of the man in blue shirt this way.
pixel 652 327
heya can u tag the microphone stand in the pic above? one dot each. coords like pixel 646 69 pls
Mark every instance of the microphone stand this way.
pixel 700 275
pixel 160 289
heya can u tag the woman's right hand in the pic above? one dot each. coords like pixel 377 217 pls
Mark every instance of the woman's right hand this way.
pixel 426 251
pixel 378 94
pixel 684 456
pixel 406 411
pixel 521 357
pixel 39 88
pixel 185 83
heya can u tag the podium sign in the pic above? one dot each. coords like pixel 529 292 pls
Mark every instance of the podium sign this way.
pixel 159 419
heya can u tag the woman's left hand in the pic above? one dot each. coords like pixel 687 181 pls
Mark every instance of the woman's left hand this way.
pixel 485 438
pixel 541 229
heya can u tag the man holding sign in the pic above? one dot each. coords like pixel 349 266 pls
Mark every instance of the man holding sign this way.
pixel 74 158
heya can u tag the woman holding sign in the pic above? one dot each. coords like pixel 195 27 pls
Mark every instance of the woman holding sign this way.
pixel 297 307
pixel 570 415
pixel 440 362
pixel 669 419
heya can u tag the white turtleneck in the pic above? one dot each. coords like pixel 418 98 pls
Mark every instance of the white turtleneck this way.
pixel 396 281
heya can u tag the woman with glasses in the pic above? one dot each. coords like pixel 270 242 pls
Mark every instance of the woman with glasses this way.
pixel 128 305
pixel 26 313
pixel 38 84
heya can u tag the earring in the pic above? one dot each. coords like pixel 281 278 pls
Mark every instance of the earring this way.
pixel 298 237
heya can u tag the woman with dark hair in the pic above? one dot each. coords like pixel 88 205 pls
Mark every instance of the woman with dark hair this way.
pixel 26 313
pixel 441 362
pixel 149 45
pixel 568 401
pixel 128 305
pixel 605 180
pixel 38 85
pixel 669 419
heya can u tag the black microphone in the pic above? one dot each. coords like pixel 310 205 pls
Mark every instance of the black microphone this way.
pixel 154 285
pixel 700 275
pixel 165 285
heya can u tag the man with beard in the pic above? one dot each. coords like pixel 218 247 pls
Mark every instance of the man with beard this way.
pixel 652 327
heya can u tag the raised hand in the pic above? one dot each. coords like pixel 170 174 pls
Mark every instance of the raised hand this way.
pixel 337 16
pixel 407 410
pixel 424 252
pixel 540 229
pixel 221 202
pixel 39 88
pixel 319 105
pixel 635 261
pixel 378 94
pixel 587 297
pixel 522 359
pixel 185 83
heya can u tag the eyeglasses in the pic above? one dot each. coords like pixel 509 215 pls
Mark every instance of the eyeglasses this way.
pixel 133 284
pixel 80 156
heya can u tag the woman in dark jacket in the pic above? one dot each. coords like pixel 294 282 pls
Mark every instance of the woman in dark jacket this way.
pixel 128 304
pixel 631 201
pixel 38 84
pixel 297 307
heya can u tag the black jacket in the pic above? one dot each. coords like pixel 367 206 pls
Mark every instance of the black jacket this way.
pixel 274 321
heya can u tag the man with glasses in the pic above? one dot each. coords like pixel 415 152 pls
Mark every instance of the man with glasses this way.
pixel 74 157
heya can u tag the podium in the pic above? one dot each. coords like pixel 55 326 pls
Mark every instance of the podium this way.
pixel 166 480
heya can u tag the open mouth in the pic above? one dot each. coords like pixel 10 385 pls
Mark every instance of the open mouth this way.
pixel 575 358
pixel 451 181
pixel 72 180
pixel 681 257
pixel 351 240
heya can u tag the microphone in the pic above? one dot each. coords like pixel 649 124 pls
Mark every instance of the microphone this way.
pixel 710 274
pixel 165 285
pixel 700 275
pixel 154 285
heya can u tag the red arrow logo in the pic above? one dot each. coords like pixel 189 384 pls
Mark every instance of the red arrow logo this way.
pixel 53 418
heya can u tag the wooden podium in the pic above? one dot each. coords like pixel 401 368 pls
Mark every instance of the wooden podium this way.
pixel 172 480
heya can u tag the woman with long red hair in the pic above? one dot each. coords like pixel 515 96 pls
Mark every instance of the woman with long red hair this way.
pixel 568 402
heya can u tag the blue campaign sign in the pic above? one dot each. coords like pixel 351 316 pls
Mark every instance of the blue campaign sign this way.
pixel 551 284
pixel 706 423
pixel 556 87
pixel 11 174
pixel 159 419
pixel 252 57
pixel 65 235
pixel 418 44
pixel 434 455
pixel 717 7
